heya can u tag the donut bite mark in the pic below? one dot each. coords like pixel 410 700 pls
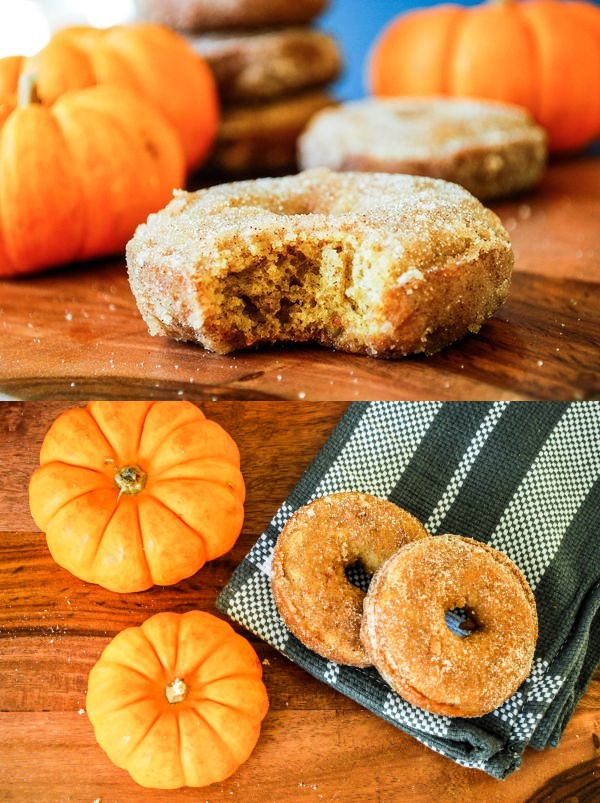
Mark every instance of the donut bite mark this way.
pixel 318 543
pixel 378 264
pixel 404 628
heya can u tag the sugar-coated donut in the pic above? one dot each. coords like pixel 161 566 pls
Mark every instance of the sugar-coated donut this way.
pixel 370 263
pixel 405 633
pixel 209 15
pixel 261 65
pixel 260 137
pixel 492 149
pixel 317 602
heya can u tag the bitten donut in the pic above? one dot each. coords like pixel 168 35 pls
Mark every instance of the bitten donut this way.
pixel 210 15
pixel 257 66
pixel 492 149
pixel 377 264
pixel 405 633
pixel 314 597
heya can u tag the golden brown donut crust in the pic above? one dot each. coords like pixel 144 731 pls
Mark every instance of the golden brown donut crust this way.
pixel 491 149
pixel 405 632
pixel 210 15
pixel 264 65
pixel 377 264
pixel 314 597
pixel 263 136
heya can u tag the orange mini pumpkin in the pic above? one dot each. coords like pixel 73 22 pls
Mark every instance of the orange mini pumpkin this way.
pixel 76 178
pixel 178 701
pixel 150 60
pixel 541 54
pixel 132 494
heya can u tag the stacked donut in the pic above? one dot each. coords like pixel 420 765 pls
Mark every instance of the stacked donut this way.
pixel 271 69
pixel 401 624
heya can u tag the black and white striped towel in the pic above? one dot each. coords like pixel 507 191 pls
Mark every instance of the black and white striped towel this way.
pixel 520 476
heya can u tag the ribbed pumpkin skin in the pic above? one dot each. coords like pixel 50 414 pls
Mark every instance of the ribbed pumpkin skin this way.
pixel 150 60
pixel 190 510
pixel 198 741
pixel 77 178
pixel 541 54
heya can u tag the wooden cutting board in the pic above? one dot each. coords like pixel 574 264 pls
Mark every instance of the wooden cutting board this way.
pixel 76 333
pixel 316 745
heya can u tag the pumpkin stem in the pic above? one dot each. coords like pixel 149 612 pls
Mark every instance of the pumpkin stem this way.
pixel 130 479
pixel 27 89
pixel 176 691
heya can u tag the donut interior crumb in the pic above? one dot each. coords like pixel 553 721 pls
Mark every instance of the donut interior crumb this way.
pixel 299 291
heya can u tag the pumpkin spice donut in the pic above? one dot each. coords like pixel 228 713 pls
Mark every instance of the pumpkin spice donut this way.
pixel 491 149
pixel 318 603
pixel 376 264
pixel 261 137
pixel 252 66
pixel 405 633
pixel 211 15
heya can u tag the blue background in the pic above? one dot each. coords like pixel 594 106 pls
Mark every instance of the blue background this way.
pixel 355 24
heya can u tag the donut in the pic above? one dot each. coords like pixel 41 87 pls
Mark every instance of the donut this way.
pixel 252 66
pixel 492 149
pixel 264 136
pixel 368 263
pixel 318 543
pixel 405 633
pixel 211 15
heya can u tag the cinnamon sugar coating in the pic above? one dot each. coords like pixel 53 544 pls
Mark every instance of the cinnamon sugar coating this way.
pixel 405 632
pixel 492 149
pixel 261 65
pixel 264 136
pixel 314 597
pixel 378 264
pixel 210 15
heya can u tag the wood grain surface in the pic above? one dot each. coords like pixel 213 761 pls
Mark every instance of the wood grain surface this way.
pixel 316 745
pixel 76 333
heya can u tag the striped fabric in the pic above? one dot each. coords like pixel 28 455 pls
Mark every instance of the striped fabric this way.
pixel 522 477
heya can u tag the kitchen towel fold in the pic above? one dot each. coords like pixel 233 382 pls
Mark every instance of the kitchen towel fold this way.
pixel 520 476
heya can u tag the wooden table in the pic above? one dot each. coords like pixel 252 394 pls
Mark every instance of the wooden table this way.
pixel 316 745
pixel 76 333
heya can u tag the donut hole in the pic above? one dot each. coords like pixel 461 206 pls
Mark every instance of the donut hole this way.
pixel 462 621
pixel 358 576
